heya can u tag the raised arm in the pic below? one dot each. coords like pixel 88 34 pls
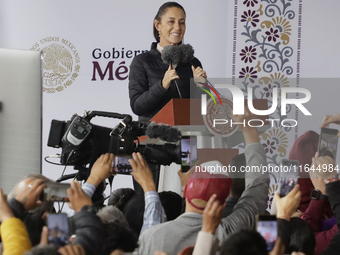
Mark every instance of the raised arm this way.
pixel 254 199
pixel 100 170
pixel 153 211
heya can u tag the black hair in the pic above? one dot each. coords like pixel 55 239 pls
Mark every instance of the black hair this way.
pixel 244 242
pixel 172 204
pixel 34 224
pixel 302 238
pixel 161 12
pixel 120 197
pixel 134 212
pixel 118 236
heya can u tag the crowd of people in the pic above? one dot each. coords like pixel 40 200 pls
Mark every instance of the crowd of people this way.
pixel 216 214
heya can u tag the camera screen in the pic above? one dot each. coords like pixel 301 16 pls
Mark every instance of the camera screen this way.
pixel 268 230
pixel 328 143
pixel 80 129
pixel 189 150
pixel 58 231
pixel 122 165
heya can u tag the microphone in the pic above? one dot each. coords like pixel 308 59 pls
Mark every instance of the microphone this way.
pixel 171 55
pixel 187 53
pixel 163 131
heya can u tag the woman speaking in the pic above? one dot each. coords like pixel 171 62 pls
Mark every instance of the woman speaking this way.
pixel 151 81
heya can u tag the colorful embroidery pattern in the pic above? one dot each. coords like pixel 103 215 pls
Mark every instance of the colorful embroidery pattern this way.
pixel 266 49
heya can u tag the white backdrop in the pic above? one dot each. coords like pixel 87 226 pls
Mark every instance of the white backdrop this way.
pixel 104 25
pixel 82 26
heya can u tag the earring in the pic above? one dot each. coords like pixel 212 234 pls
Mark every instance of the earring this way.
pixel 159 34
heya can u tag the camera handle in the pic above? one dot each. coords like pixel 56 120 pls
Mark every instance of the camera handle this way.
pixel 89 115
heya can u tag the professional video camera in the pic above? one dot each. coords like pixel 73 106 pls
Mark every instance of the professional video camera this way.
pixel 83 142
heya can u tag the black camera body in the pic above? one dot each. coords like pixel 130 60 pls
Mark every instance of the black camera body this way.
pixel 83 142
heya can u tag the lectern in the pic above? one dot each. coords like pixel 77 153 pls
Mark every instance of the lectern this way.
pixel 185 115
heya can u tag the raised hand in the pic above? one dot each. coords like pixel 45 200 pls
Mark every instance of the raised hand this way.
pixel 169 75
pixel 212 215
pixel 102 169
pixel 28 191
pixel 142 172
pixel 78 198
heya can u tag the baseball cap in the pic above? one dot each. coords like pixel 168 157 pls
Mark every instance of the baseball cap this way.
pixel 202 185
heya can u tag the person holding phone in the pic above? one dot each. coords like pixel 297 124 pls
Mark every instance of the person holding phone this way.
pixel 173 236
pixel 151 81
pixel 332 190
pixel 329 119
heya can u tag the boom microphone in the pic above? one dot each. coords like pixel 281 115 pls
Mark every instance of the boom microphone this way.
pixel 163 131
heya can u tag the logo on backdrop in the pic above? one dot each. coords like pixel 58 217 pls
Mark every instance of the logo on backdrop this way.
pixel 112 64
pixel 61 63
pixel 216 111
pixel 218 118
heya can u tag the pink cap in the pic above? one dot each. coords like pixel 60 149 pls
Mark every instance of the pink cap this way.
pixel 202 185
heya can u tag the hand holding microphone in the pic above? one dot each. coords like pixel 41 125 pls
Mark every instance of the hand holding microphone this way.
pixel 172 55
pixel 169 75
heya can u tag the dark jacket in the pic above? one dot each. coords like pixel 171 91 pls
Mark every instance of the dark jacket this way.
pixel 89 231
pixel 147 95
pixel 314 217
pixel 333 191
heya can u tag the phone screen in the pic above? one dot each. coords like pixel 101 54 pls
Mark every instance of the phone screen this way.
pixel 289 171
pixel 267 227
pixel 122 165
pixel 189 152
pixel 56 191
pixel 328 142
pixel 58 231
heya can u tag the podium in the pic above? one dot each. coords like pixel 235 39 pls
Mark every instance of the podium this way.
pixel 185 115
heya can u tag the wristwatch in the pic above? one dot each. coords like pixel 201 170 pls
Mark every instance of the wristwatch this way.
pixel 317 195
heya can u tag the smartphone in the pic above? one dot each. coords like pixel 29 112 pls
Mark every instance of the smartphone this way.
pixel 328 142
pixel 122 165
pixel 189 152
pixel 289 174
pixel 55 191
pixel 58 229
pixel 267 227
